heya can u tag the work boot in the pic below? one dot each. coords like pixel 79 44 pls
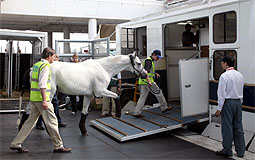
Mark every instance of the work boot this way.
pixel 19 149
pixel 39 127
pixel 62 150
pixel 62 125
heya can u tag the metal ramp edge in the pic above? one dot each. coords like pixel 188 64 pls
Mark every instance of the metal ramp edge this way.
pixel 128 127
pixel 129 137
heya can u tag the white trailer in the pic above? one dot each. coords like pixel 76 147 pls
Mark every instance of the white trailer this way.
pixel 226 28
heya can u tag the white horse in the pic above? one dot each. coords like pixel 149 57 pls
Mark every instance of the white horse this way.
pixel 92 77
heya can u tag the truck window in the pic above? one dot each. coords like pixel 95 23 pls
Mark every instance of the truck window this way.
pixel 224 27
pixel 127 38
pixel 217 57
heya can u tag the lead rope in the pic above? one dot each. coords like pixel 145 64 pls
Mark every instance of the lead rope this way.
pixel 150 88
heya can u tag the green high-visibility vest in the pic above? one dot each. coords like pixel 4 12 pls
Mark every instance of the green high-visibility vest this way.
pixel 114 81
pixel 151 74
pixel 35 94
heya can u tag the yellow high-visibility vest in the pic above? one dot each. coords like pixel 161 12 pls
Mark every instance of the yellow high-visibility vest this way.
pixel 151 74
pixel 35 94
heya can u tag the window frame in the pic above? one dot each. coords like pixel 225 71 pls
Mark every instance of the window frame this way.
pixel 225 53
pixel 225 29
pixel 127 35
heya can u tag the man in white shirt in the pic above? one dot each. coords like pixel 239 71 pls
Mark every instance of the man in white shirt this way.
pixel 230 95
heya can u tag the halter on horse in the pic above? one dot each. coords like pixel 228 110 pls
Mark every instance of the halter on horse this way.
pixel 92 77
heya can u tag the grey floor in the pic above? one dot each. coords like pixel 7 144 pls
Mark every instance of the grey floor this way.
pixel 97 145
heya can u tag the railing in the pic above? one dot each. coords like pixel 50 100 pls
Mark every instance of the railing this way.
pixel 174 3
pixel 84 48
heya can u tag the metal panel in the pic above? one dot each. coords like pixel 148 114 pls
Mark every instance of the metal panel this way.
pixel 154 121
pixel 194 86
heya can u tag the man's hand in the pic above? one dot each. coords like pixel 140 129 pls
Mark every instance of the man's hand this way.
pixel 217 113
pixel 45 105
pixel 149 81
pixel 118 90
pixel 158 75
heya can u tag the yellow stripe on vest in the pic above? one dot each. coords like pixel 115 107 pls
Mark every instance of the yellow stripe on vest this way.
pixel 35 94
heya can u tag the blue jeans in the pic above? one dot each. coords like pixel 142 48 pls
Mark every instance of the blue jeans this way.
pixel 56 107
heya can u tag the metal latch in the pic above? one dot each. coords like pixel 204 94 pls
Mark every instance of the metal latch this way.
pixel 187 85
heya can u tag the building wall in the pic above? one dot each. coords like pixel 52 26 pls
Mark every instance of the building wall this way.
pixel 112 9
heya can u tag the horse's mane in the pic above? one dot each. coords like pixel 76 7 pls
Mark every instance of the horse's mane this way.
pixel 112 60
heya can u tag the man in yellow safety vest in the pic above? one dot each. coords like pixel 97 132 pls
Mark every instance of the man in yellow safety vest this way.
pixel 41 105
pixel 148 85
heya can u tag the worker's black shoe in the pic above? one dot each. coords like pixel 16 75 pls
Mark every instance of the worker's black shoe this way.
pixel 135 115
pixel 62 125
pixel 19 149
pixel 40 127
pixel 62 150
pixel 240 156
pixel 221 153
pixel 167 109
pixel 138 116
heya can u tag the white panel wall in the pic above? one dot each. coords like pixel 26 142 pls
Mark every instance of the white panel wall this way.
pixel 154 37
pixel 113 9
pixel 246 55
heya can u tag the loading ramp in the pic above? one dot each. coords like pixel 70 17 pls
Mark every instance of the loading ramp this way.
pixel 154 121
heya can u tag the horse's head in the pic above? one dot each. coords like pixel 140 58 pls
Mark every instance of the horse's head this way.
pixel 137 67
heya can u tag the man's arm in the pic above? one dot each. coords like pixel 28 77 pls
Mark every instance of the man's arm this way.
pixel 221 95
pixel 149 81
pixel 147 67
pixel 44 101
pixel 42 83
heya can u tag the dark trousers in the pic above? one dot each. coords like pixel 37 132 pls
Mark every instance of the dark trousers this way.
pixel 56 107
pixel 73 103
pixel 39 121
pixel 231 127
pixel 76 105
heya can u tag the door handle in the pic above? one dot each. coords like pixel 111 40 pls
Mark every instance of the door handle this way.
pixel 187 85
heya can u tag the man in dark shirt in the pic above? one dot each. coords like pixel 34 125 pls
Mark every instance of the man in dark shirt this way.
pixel 188 37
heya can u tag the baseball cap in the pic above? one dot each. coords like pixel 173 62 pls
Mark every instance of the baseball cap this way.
pixel 157 53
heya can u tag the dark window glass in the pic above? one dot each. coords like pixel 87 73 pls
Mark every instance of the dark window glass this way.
pixel 217 57
pixel 127 38
pixel 224 27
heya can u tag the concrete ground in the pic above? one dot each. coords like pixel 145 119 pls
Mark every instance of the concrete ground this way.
pixel 97 145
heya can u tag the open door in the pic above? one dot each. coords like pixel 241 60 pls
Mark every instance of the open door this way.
pixel 194 86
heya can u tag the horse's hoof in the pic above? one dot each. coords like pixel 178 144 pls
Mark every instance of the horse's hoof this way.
pixel 83 131
pixel 85 134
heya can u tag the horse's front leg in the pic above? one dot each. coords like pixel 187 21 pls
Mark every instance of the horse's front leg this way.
pixel 84 114
pixel 107 93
